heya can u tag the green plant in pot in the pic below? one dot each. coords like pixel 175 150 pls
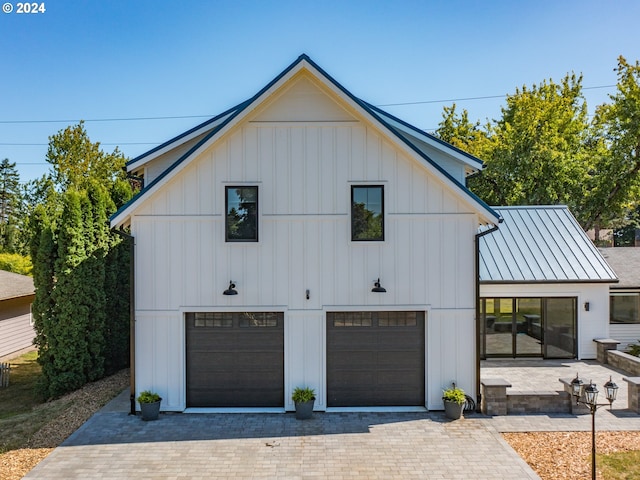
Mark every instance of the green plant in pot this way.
pixel 303 397
pixel 149 405
pixel 454 399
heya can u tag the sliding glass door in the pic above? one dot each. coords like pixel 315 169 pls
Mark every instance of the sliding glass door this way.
pixel 528 327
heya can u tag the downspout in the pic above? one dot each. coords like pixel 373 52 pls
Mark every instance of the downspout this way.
pixel 478 318
pixel 132 321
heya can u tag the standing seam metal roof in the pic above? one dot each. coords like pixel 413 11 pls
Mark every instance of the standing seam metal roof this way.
pixel 543 244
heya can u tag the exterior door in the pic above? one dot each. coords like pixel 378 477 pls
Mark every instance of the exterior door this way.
pixel 528 327
pixel 235 359
pixel 375 359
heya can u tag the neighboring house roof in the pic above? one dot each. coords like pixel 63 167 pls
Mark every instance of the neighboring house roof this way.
pixel 540 244
pixel 14 285
pixel 625 261
pixel 409 137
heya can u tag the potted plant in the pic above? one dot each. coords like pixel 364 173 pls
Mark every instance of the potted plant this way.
pixel 149 405
pixel 454 400
pixel 303 398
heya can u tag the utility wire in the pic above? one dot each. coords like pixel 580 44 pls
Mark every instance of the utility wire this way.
pixel 175 117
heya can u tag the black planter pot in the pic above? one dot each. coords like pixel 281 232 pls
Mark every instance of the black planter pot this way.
pixel 453 410
pixel 150 411
pixel 304 410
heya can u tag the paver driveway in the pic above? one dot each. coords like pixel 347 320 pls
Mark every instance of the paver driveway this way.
pixel 330 445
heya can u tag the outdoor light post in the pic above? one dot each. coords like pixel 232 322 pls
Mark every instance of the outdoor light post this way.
pixel 590 393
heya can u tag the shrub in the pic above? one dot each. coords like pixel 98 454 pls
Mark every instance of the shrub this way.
pixel 301 395
pixel 454 394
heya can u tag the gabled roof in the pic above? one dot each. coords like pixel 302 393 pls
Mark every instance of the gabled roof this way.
pixel 220 124
pixel 417 136
pixel 204 128
pixel 540 244
pixel 625 261
pixel 14 285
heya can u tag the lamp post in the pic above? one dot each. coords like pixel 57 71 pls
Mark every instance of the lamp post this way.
pixel 590 394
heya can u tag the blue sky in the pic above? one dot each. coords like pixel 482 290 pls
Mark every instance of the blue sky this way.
pixel 123 59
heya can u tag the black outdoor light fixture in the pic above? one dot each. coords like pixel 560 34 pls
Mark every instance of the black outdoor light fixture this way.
pixel 586 306
pixel 377 288
pixel 231 290
pixel 588 396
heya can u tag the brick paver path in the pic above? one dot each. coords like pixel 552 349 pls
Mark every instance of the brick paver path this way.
pixel 113 445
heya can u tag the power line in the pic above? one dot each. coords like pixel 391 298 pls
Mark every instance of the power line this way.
pixel 469 98
pixel 177 117
pixel 101 143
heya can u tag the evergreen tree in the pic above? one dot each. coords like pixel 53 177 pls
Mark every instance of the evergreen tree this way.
pixel 82 272
pixel 10 198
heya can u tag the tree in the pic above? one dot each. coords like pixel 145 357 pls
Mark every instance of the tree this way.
pixel 81 328
pixel 538 153
pixel 10 198
pixel 76 160
pixel 461 133
pixel 615 178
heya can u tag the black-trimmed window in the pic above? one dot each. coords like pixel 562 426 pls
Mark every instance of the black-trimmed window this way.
pixel 241 214
pixel 624 307
pixel 367 213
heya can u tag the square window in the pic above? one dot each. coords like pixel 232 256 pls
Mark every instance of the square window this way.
pixel 241 214
pixel 367 213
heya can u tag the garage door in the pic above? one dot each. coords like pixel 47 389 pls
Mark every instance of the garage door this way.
pixel 235 359
pixel 375 359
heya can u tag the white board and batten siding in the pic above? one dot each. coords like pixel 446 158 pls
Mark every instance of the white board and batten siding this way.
pixel 304 168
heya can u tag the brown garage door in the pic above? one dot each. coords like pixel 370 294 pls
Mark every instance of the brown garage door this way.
pixel 375 359
pixel 235 359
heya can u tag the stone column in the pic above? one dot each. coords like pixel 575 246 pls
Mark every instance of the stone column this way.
pixel 494 396
pixel 605 344
pixel 633 393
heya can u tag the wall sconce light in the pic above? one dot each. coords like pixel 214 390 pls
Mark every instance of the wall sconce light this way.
pixel 377 288
pixel 231 290
pixel 308 294
pixel 586 306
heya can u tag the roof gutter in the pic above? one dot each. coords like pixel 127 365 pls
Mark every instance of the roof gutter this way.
pixel 132 320
pixel 478 316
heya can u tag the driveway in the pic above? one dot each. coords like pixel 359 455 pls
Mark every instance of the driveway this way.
pixel 114 445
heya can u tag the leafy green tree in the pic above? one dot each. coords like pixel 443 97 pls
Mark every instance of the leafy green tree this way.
pixel 10 198
pixel 538 151
pixel 76 161
pixel 614 183
pixel 460 132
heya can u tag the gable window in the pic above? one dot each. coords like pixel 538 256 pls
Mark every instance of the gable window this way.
pixel 367 213
pixel 241 214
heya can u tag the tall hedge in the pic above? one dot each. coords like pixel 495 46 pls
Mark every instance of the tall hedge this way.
pixel 82 294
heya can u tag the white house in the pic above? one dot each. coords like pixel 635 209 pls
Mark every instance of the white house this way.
pixel 544 286
pixel 624 318
pixel 304 238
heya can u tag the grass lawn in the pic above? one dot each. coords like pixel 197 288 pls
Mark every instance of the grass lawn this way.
pixel 620 465
pixel 22 413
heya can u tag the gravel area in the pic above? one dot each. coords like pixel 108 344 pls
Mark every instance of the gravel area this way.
pixel 83 404
pixel 567 455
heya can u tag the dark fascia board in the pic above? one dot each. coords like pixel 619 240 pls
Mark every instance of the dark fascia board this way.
pixel 182 135
pixel 472 158
pixel 365 106
pixel 238 110
pixel 374 112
